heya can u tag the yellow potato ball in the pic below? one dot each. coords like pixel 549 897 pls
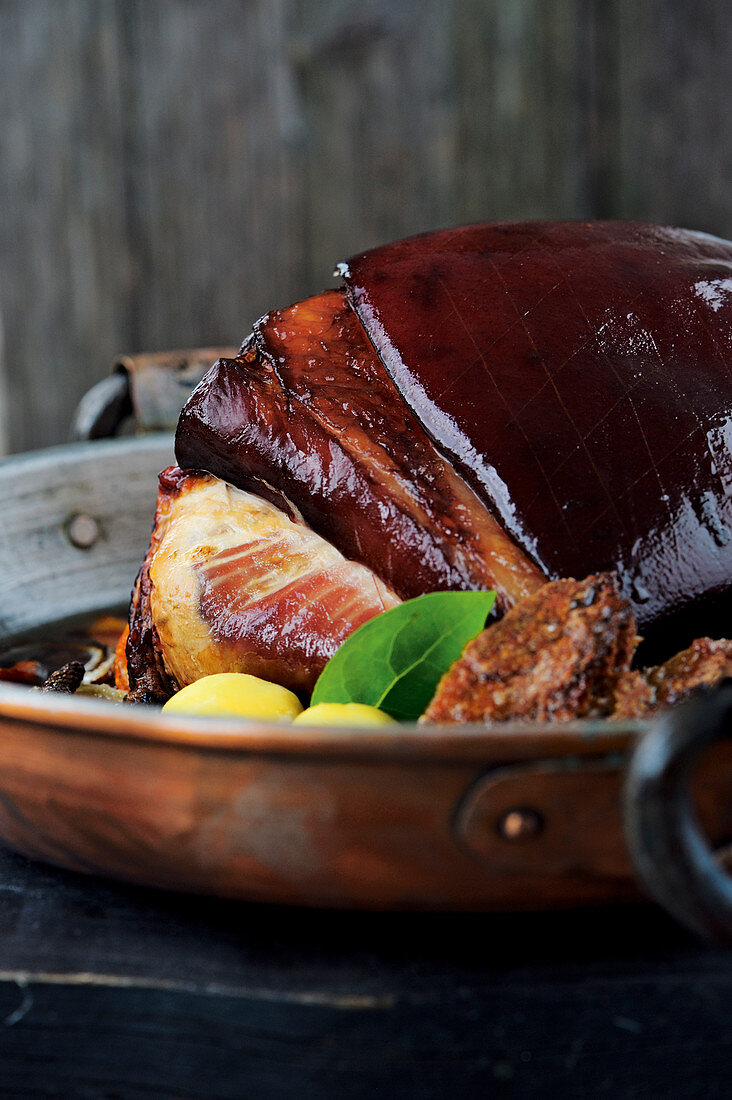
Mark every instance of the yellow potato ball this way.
pixel 343 714
pixel 235 693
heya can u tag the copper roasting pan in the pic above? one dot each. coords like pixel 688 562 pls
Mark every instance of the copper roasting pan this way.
pixel 452 818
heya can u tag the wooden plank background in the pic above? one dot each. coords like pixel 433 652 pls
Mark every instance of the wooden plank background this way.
pixel 169 169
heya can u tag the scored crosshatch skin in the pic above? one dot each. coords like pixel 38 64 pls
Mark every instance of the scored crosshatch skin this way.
pixel 543 352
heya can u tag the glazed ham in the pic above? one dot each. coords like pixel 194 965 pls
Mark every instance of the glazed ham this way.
pixel 487 407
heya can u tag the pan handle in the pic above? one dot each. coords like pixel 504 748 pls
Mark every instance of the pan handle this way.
pixel 103 410
pixel 146 390
pixel 667 846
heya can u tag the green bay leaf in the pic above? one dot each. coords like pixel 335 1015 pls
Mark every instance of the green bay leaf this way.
pixel 395 660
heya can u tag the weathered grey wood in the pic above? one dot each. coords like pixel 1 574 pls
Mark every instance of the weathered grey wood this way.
pixel 3 395
pixel 64 247
pixel 215 149
pixel 45 576
pixel 521 104
pixel 376 88
pixel 170 170
pixel 674 155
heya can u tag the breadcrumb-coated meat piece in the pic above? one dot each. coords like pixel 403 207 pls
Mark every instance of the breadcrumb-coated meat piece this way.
pixel 703 665
pixel 557 655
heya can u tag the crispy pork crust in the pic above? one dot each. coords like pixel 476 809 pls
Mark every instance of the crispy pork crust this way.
pixel 704 665
pixel 556 656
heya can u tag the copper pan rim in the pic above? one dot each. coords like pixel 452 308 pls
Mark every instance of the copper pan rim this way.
pixel 514 740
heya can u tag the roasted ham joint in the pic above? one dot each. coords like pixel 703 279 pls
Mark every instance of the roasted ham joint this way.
pixel 499 406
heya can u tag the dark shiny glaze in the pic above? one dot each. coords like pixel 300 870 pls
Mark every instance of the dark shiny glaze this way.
pixel 307 415
pixel 579 375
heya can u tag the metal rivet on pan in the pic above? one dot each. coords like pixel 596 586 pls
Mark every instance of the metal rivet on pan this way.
pixel 82 530
pixel 520 824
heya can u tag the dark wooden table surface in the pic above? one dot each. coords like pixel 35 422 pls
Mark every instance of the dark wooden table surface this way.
pixel 112 991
